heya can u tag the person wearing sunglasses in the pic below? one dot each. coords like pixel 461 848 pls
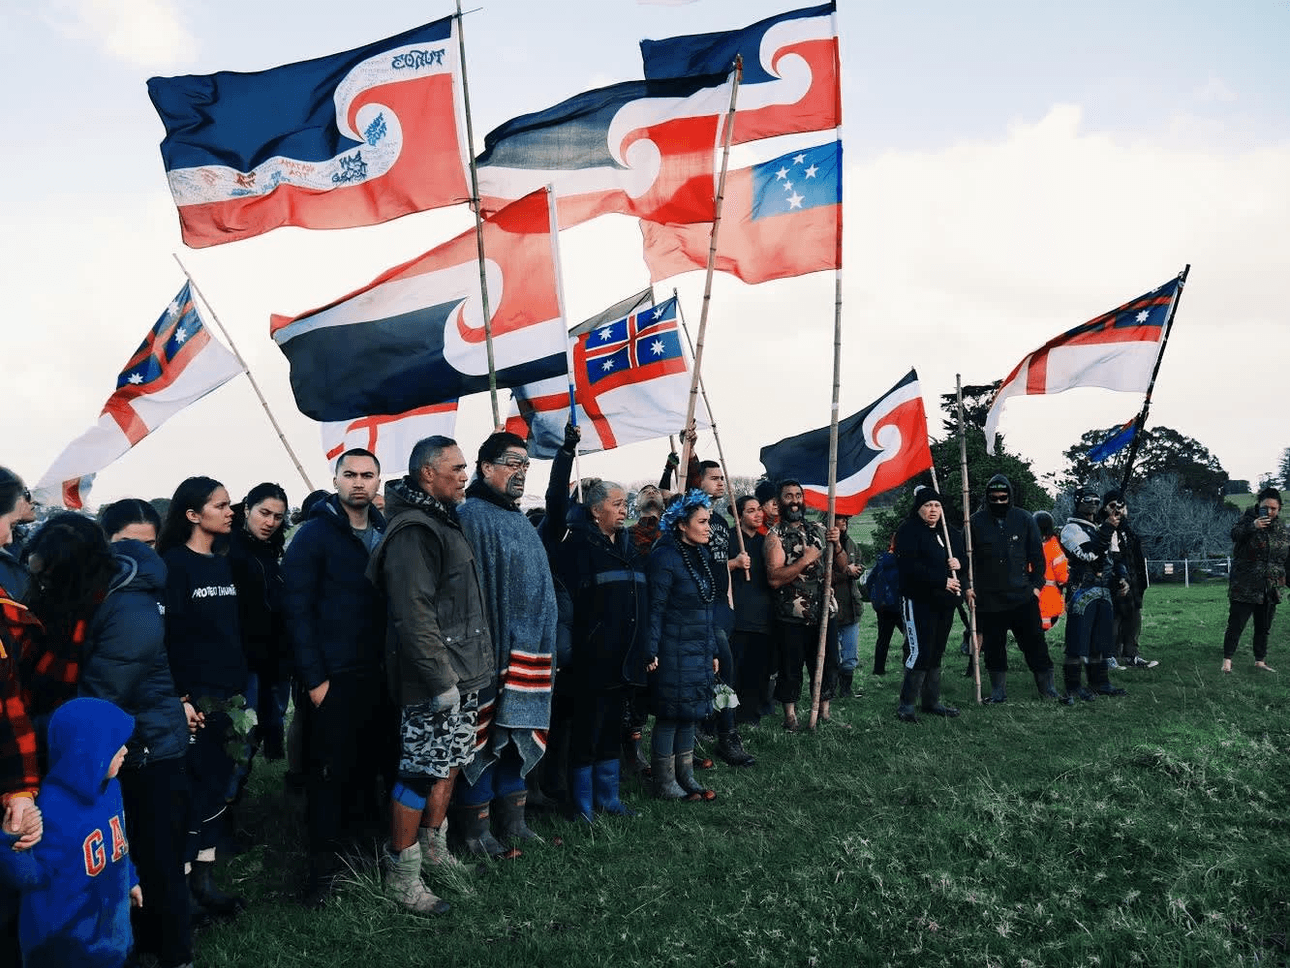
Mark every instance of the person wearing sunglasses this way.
pixel 1260 554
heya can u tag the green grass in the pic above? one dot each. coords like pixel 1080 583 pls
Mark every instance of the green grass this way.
pixel 1146 830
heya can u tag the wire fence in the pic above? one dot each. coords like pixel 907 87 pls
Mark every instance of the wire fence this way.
pixel 1188 571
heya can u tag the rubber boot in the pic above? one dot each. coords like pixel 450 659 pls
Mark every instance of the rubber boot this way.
pixel 685 778
pixel 910 687
pixel 1099 678
pixel 403 882
pixel 581 792
pixel 998 688
pixel 434 849
pixel 1074 690
pixel 731 749
pixel 605 779
pixel 208 895
pixel 663 770
pixel 1044 683
pixel 510 817
pixel 324 870
pixel 932 704
pixel 633 758
pixel 471 834
pixel 845 683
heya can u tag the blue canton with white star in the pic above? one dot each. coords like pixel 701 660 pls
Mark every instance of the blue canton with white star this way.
pixel 797 181
pixel 646 337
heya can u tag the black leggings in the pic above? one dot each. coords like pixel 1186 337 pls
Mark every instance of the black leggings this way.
pixel 596 727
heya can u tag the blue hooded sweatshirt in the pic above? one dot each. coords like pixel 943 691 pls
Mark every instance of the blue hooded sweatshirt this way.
pixel 76 882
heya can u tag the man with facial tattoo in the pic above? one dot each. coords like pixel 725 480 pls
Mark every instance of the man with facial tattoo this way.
pixel 519 597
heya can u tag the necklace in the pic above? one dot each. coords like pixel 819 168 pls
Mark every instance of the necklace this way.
pixel 708 589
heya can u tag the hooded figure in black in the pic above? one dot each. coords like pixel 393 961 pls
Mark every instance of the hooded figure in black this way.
pixel 1007 577
pixel 929 591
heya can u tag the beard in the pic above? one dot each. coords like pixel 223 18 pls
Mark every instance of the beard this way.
pixel 791 512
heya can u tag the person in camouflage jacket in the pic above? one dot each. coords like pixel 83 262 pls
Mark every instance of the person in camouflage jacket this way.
pixel 1260 551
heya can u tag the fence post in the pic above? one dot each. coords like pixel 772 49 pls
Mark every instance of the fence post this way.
pixel 1186 573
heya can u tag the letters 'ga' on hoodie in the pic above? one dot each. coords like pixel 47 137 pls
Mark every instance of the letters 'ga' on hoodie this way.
pixel 76 882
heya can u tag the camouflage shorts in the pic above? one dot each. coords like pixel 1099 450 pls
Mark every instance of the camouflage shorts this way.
pixel 432 743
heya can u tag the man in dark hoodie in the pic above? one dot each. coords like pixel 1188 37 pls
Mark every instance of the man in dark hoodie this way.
pixel 335 623
pixel 1007 577
pixel 439 660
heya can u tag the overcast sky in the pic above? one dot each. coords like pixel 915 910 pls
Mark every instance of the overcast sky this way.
pixel 1012 169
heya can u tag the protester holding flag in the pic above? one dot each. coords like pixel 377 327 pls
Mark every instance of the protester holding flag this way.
pixel 1127 624
pixel 605 575
pixel 1095 577
pixel 204 642
pixel 1260 557
pixel 682 644
pixel 930 591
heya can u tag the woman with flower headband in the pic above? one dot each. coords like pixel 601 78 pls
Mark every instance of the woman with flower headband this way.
pixel 681 646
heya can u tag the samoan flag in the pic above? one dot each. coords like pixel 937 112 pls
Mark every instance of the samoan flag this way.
pixel 177 364
pixel 415 335
pixel 348 139
pixel 781 218
pixel 1117 351
pixel 643 148
pixel 790 81
pixel 879 448
pixel 631 383
pixel 1115 442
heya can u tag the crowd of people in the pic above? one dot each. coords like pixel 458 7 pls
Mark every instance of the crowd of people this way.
pixel 455 663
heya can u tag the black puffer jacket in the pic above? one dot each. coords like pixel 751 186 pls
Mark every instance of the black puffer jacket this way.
pixel 682 635
pixel 125 659
pixel 258 578
pixel 606 579
pixel 1007 554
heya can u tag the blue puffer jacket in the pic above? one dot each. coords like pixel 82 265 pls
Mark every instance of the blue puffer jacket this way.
pixel 335 617
pixel 125 659
pixel 681 633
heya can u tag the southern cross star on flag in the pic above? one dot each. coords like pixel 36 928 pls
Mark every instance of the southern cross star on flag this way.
pixel 781 218
pixel 637 341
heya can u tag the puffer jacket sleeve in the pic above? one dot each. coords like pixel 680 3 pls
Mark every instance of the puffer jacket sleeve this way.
pixel 116 664
pixel 661 578
pixel 302 569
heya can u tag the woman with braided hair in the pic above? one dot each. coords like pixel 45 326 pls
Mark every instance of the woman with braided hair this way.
pixel 681 647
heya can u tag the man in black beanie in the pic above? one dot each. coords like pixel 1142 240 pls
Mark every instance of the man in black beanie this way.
pixel 1126 546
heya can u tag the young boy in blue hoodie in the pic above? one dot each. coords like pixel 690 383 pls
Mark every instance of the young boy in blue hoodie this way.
pixel 77 884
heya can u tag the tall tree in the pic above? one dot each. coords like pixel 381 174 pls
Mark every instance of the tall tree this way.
pixel 1162 451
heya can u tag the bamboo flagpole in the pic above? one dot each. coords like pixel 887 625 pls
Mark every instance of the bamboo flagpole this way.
pixel 1146 402
pixel 945 530
pixel 739 533
pixel 967 535
pixel 568 343
pixel 687 437
pixel 817 680
pixel 249 375
pixel 479 220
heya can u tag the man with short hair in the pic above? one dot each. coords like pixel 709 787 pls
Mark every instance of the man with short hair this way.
pixel 1007 577
pixel 1094 576
pixel 439 659
pixel 335 624
pixel 795 570
pixel 519 597
pixel 1127 624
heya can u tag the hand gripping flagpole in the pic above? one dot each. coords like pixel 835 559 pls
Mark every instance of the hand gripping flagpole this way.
pixel 247 370
pixel 967 535
pixel 817 681
pixel 1146 402
pixel 479 221
pixel 739 533
pixel 687 436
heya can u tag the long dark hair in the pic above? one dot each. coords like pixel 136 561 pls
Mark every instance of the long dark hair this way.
pixel 264 492
pixel 119 515
pixel 191 495
pixel 76 568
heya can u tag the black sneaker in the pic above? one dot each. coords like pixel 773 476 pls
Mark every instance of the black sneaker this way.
pixel 1137 662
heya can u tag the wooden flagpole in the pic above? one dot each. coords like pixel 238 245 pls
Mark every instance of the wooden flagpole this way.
pixel 250 376
pixel 479 221
pixel 967 535
pixel 688 444
pixel 568 343
pixel 817 681
pixel 739 533
pixel 1146 402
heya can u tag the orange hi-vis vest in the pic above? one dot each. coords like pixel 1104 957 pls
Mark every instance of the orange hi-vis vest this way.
pixel 1056 574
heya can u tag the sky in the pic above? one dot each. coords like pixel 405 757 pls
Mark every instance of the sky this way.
pixel 1012 169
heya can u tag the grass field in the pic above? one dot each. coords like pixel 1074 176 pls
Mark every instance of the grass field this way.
pixel 1144 830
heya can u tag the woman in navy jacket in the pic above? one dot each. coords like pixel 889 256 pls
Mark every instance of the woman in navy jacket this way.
pixel 682 643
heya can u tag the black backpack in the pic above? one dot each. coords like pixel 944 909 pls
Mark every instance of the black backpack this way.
pixel 882 584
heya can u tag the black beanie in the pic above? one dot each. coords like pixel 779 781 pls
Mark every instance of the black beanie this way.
pixel 925 495
pixel 1268 492
pixel 1114 494
pixel 764 491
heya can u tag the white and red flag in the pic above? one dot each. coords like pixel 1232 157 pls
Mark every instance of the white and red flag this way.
pixel 1115 351
pixel 178 363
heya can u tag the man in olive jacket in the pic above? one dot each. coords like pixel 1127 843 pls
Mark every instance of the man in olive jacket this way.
pixel 438 656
